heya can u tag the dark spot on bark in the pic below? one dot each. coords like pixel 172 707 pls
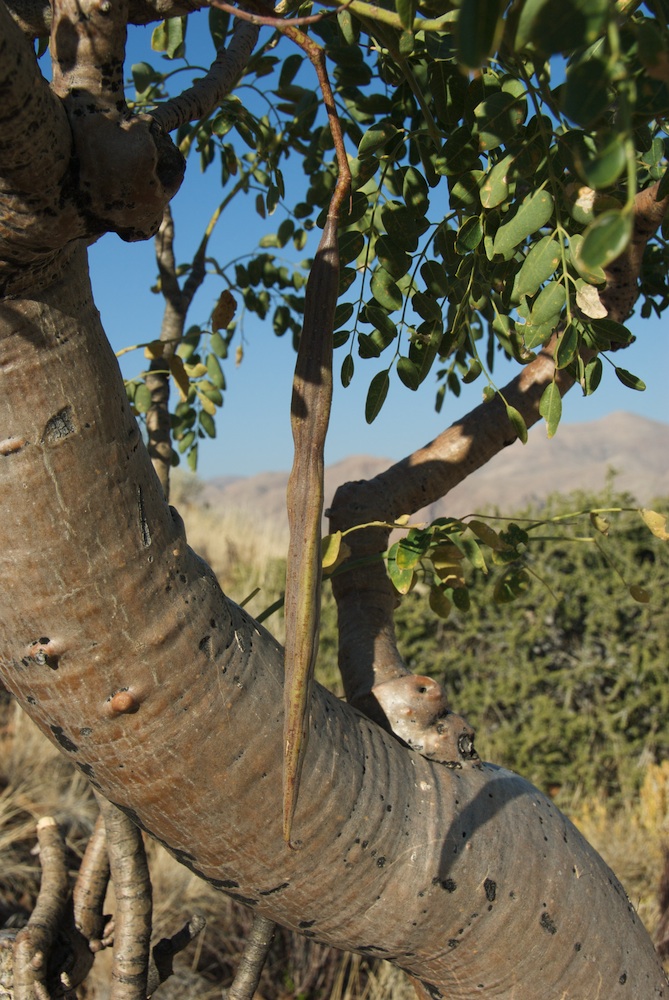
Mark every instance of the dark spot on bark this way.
pixel 227 883
pixel 490 889
pixel 432 991
pixel 453 943
pixel 246 900
pixel 31 700
pixel 448 883
pixel 306 923
pixel 183 856
pixel 59 426
pixel 381 861
pixel 308 934
pixel 86 769
pixel 182 577
pixel 578 946
pixel 64 741
pixel 44 641
pixel 204 645
pixel 389 809
pixel 85 731
pixel 277 888
pixel 623 979
pixel 548 924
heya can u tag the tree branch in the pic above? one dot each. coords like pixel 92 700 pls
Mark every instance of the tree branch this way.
pixel 206 94
pixel 34 17
pixel 258 943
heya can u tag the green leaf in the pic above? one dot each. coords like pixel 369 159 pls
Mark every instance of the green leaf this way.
pixel 143 75
pixel 473 372
pixel 215 372
pixel 376 395
pixel 567 346
pixel 347 369
pixel 394 259
pixel 478 28
pixel 191 458
pixel 401 579
pixel 469 235
pixel 385 291
pixel 628 379
pixel 640 594
pixel 519 424
pixel 607 165
pixel 497 119
pixel 560 25
pixel 550 407
pixel 538 266
pixel 545 314
pixel 495 187
pixel 409 373
pixel 169 37
pixel 435 277
pixel 586 95
pixel 207 423
pixel 142 399
pixel 439 601
pixel 534 212
pixel 415 191
pixel 376 137
pixel 218 345
pixel 592 376
pixel 605 239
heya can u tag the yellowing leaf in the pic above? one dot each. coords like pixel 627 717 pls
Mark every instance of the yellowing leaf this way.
pixel 487 534
pixel 180 376
pixel 154 350
pixel 195 371
pixel 207 404
pixel 656 522
pixel 224 311
pixel 330 546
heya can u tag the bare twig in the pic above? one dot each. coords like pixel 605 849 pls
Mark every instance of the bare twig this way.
pixel 91 887
pixel 49 954
pixel 258 943
pixel 132 889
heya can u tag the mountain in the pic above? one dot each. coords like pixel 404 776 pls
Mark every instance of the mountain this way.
pixel 580 457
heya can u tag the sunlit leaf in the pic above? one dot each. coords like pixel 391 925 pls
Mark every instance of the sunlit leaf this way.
pixel 656 522
pixel 605 239
pixel 402 579
pixel 531 216
pixel 519 424
pixel 538 267
pixel 550 407
pixel 630 380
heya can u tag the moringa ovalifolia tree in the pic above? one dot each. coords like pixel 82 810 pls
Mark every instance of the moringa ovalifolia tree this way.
pixel 488 207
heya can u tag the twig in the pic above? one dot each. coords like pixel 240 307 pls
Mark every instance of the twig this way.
pixel 91 887
pixel 250 967
pixel 48 953
pixel 132 889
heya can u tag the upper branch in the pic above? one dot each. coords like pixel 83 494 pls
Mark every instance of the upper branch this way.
pixel 34 17
pixel 206 94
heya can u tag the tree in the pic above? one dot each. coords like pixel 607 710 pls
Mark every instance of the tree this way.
pixel 117 639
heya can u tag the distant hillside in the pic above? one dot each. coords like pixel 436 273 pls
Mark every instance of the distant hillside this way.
pixel 578 458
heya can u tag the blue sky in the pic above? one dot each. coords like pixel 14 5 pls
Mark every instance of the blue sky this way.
pixel 254 426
